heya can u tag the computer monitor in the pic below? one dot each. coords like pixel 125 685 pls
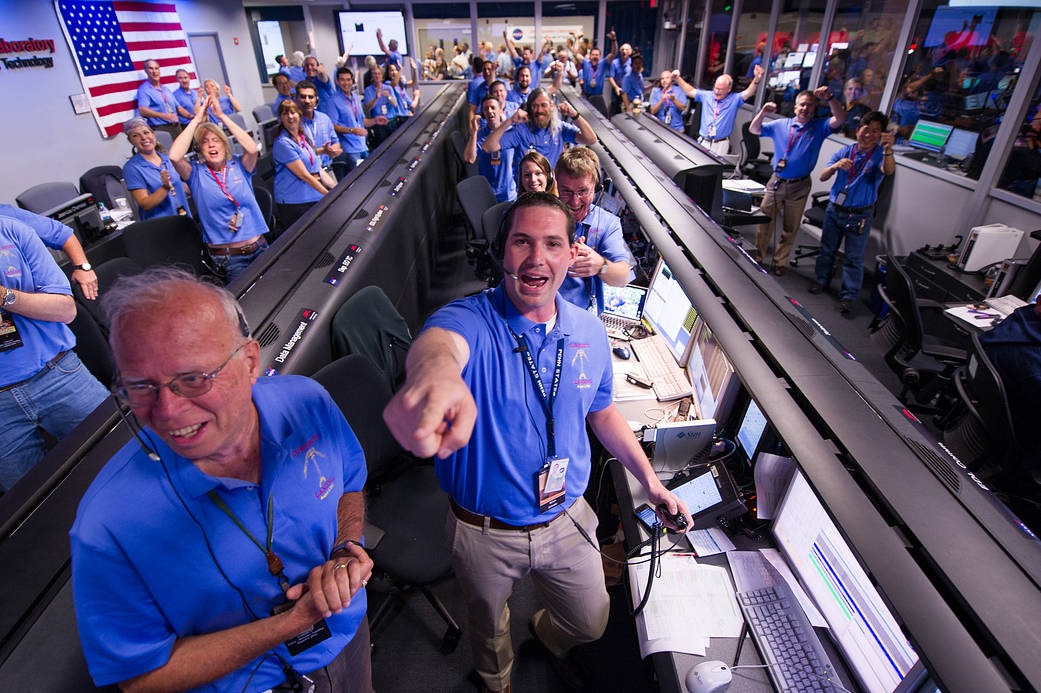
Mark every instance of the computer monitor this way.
pixel 810 59
pixel 750 432
pixel 929 135
pixel 669 311
pixel 872 644
pixel 624 301
pixel 960 144
pixel 794 59
pixel 81 214
pixel 711 374
pixel 975 102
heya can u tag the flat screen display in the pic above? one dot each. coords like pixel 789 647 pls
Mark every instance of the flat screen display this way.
pixel 929 135
pixel 358 31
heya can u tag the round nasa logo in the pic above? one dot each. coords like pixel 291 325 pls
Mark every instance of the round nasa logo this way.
pixel 518 34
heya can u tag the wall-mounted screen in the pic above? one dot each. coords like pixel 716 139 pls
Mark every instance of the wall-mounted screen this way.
pixel 358 31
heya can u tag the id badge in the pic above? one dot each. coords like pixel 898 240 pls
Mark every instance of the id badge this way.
pixel 9 337
pixel 840 198
pixel 780 165
pixel 711 130
pixel 550 483
pixel 236 221
pixel 318 632
pixel 383 109
pixel 496 157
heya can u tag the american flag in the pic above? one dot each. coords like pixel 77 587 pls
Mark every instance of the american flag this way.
pixel 111 42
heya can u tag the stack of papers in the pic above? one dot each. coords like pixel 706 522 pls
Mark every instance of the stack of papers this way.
pixel 689 604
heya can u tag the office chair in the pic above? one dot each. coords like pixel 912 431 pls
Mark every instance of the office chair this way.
pixel 478 252
pixel 106 184
pixel 368 324
pixel 692 119
pixel 924 365
pixel 403 499
pixel 979 429
pixel 107 273
pixel 475 196
pixel 172 240
pixel 263 113
pixel 266 201
pixel 164 138
pixel 44 197
pixel 812 225
pixel 750 163
pixel 459 145
pixel 597 102
pixel 92 346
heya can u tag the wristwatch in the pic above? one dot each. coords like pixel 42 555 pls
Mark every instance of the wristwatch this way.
pixel 9 297
pixel 603 268
pixel 86 267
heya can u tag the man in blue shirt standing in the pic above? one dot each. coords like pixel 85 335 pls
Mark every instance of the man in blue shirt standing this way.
pixel 391 50
pixel 542 130
pixel 317 125
pixel 719 107
pixel 620 67
pixel 860 168
pixel 521 86
pixel 238 565
pixel 516 481
pixel 324 86
pixel 497 166
pixel 592 71
pixel 478 87
pixel 43 384
pixel 155 103
pixel 797 144
pixel 668 102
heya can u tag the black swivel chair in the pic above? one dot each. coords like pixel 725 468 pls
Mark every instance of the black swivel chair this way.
pixel 368 324
pixel 263 113
pixel 459 145
pixel 92 346
pixel 171 240
pixel 813 225
pixel 106 184
pixel 164 138
pixel 266 202
pixel 475 195
pixel 750 163
pixel 597 102
pixel 924 365
pixel 403 498
pixel 107 272
pixel 46 196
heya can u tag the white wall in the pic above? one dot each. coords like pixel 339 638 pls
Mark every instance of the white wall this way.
pixel 43 140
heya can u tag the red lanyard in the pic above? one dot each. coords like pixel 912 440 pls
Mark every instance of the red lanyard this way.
pixel 162 92
pixel 349 98
pixel 307 148
pixel 220 183
pixel 793 138
pixel 856 169
pixel 715 115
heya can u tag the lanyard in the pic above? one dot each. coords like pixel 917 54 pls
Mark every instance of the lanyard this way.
pixel 715 116
pixel 793 138
pixel 856 169
pixel 274 563
pixel 349 98
pixel 307 148
pixel 547 402
pixel 162 92
pixel 220 183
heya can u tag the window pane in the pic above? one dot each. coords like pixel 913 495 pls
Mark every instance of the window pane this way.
pixel 689 59
pixel 961 68
pixel 752 26
pixel 516 18
pixel 718 36
pixel 1024 162
pixel 860 52
pixel 795 50
pixel 443 29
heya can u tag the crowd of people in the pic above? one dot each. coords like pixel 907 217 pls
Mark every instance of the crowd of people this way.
pixel 217 458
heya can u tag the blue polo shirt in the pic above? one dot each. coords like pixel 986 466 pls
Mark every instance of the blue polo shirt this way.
pixel 619 69
pixel 216 210
pixel 906 111
pixel 603 232
pixel 669 114
pixel 158 99
pixel 143 576
pixel 806 144
pixel 499 174
pixel 476 90
pixel 721 113
pixel 632 86
pixel 518 97
pixel 321 131
pixel 225 106
pixel 593 78
pixel 26 265
pixel 393 58
pixel 141 174
pixel 495 473
pixel 401 94
pixel 348 112
pixel 278 101
pixel 543 141
pixel 382 106
pixel 290 189
pixel 294 73
pixel 326 93
pixel 535 65
pixel 186 100
pixel 862 190
pixel 53 233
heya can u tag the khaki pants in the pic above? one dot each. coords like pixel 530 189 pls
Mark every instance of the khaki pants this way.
pixel 721 147
pixel 789 201
pixel 568 577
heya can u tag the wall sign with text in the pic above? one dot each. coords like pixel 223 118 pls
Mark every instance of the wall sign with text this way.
pixel 29 45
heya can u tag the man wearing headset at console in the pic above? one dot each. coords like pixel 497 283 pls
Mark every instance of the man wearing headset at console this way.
pixel 500 387
pixel 601 253
pixel 219 550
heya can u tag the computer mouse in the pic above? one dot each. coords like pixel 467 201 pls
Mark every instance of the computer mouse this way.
pixel 712 676
pixel 622 352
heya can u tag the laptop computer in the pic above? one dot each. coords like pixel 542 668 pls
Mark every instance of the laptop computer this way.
pixel 623 309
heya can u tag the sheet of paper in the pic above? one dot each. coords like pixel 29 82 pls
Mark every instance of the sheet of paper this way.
pixel 777 561
pixel 624 390
pixel 772 476
pixel 689 603
pixel 708 542
pixel 978 319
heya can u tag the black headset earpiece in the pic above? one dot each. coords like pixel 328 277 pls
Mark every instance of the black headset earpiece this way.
pixel 243 325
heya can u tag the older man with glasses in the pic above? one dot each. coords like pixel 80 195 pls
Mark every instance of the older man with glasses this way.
pixel 221 546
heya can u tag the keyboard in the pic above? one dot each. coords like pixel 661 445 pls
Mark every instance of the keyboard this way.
pixel 618 327
pixel 787 640
pixel 667 378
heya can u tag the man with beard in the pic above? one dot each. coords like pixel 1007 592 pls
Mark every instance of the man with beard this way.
pixel 521 86
pixel 542 131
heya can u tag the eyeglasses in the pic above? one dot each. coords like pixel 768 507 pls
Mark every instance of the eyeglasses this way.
pixel 194 384
pixel 580 194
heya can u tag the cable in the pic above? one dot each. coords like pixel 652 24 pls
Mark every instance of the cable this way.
pixel 655 538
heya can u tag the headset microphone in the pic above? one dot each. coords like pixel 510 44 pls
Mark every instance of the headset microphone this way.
pixel 136 431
